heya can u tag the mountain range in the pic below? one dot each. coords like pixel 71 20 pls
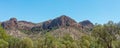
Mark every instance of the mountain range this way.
pixel 58 27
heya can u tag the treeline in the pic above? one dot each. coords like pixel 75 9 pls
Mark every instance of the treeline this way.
pixel 102 36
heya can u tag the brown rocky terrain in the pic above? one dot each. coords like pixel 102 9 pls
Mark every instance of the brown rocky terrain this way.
pixel 14 27
pixel 63 23
pixel 24 25
pixel 14 24
pixel 87 25
pixel 10 24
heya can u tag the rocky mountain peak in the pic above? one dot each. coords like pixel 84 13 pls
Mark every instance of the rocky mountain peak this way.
pixel 62 21
pixel 87 24
pixel 13 19
pixel 64 17
pixel 10 24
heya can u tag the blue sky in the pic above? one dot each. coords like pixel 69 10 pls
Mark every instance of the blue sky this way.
pixel 97 11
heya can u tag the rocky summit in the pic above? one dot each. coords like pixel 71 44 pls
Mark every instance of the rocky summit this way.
pixel 87 24
pixel 10 24
pixel 63 21
pixel 14 24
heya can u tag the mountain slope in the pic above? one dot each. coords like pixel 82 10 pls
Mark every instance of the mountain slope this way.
pixel 63 23
pixel 86 25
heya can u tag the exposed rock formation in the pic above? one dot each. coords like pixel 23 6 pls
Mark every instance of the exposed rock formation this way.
pixel 14 24
pixel 62 21
pixel 86 25
pixel 11 24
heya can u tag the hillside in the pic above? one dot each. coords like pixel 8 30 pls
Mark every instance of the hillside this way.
pixel 28 27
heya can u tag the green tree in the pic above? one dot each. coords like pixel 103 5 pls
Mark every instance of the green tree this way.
pixel 85 41
pixel 68 42
pixel 106 34
pixel 49 41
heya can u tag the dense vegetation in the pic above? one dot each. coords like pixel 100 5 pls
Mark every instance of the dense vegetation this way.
pixel 102 36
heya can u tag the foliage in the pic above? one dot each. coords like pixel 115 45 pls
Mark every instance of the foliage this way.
pixel 106 34
pixel 3 44
pixel 3 34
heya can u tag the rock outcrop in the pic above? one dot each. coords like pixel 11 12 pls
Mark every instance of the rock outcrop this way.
pixel 14 24
pixel 10 24
pixel 87 25
pixel 11 27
